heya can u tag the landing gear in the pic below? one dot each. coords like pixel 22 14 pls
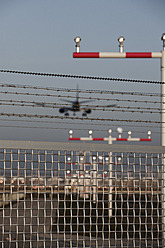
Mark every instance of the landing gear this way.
pixel 66 114
pixel 84 114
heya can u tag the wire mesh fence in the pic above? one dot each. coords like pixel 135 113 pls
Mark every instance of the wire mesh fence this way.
pixel 81 195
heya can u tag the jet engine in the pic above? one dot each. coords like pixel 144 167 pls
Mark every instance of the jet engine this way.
pixel 88 111
pixel 62 110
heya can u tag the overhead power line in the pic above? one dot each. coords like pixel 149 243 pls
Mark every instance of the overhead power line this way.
pixel 65 128
pixel 79 77
pixel 76 118
pixel 79 123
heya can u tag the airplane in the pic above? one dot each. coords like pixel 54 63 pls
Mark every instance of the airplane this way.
pixel 75 106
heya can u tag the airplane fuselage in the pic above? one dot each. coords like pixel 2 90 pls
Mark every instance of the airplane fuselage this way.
pixel 75 107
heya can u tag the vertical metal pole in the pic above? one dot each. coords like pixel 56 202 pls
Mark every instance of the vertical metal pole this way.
pixel 81 180
pixel 163 134
pixel 94 179
pixel 110 175
pixel 163 95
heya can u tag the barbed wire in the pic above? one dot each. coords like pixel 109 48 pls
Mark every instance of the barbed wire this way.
pixel 94 108
pixel 73 97
pixel 77 90
pixel 45 74
pixel 58 105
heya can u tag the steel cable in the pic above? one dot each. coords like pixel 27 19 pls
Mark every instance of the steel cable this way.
pixel 76 118
pixel 79 76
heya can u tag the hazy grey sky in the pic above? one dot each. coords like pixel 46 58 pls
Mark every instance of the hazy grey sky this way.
pixel 37 35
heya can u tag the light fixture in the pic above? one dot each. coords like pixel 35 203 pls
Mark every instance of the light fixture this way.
pixel 121 40
pixel 119 160
pixel 119 130
pixel 90 133
pixel 129 134
pixel 100 157
pixel 110 131
pixel 149 134
pixel 70 133
pixel 163 39
pixel 163 36
pixel 77 41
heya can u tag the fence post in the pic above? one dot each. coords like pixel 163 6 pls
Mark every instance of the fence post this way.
pixel 163 128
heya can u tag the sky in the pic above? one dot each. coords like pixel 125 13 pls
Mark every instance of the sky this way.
pixel 38 36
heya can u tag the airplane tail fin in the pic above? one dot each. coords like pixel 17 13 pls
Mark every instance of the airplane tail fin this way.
pixel 77 94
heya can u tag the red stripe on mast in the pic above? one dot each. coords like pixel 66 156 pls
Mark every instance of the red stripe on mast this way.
pixel 85 55
pixel 138 55
pixel 145 139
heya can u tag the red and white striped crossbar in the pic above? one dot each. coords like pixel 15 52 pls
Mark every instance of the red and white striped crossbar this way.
pixel 117 55
pixel 106 139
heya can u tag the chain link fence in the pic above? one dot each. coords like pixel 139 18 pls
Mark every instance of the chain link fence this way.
pixel 81 195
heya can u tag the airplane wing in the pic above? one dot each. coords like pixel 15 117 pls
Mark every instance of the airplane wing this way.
pixel 112 105
pixel 42 104
pixel 109 106
pixel 64 100
pixel 86 101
